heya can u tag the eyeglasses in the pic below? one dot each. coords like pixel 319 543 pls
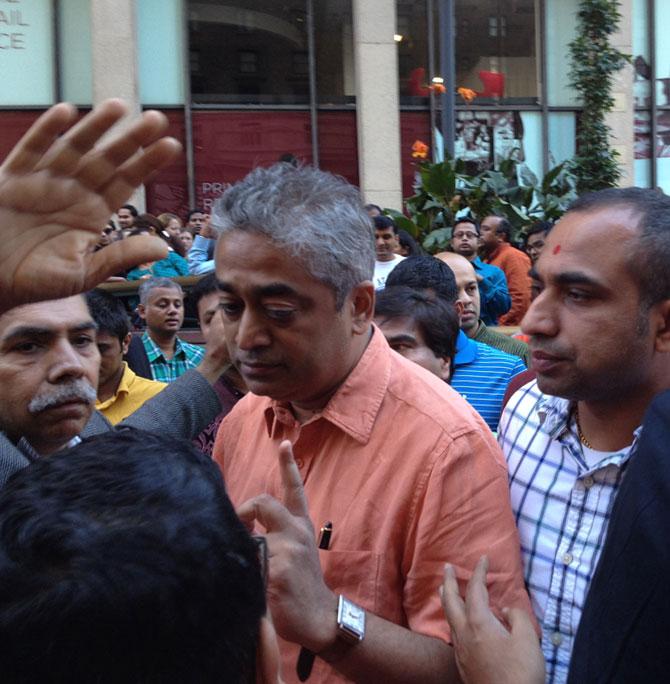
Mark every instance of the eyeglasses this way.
pixel 469 236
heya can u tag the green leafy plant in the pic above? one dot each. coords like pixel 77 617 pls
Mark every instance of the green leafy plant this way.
pixel 594 63
pixel 443 190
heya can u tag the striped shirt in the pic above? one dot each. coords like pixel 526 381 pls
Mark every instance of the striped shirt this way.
pixel 562 496
pixel 186 356
pixel 481 375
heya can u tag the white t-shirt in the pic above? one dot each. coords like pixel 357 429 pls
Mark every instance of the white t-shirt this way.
pixel 382 270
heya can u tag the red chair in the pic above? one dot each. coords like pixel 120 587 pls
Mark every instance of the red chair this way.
pixel 494 84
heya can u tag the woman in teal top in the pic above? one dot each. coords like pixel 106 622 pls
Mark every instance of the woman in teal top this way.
pixel 174 265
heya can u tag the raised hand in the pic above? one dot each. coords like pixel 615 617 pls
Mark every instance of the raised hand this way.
pixel 59 185
pixel 488 652
pixel 303 608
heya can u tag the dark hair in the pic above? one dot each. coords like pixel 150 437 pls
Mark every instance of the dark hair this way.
pixel 409 243
pixel 384 223
pixel 194 211
pixel 131 209
pixel 376 207
pixel 504 228
pixel 425 273
pixel 146 222
pixel 539 227
pixel 122 560
pixel 436 319
pixel 648 260
pixel 108 312
pixel 467 219
pixel 205 286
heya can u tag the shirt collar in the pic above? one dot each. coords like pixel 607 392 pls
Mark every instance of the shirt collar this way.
pixel 466 349
pixel 127 379
pixel 355 405
pixel 556 418
pixel 26 448
pixel 154 352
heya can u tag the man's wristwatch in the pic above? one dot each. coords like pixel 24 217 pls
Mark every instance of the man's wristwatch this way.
pixel 350 621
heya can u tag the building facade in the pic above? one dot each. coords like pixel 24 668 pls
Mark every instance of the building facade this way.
pixel 345 84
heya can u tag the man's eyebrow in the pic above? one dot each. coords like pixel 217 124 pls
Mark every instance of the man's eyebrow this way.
pixel 38 331
pixel 401 338
pixel 576 278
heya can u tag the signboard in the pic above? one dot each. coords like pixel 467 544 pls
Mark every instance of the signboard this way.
pixel 26 52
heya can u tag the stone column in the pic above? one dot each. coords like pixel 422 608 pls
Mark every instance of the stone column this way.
pixel 621 118
pixel 114 59
pixel 377 103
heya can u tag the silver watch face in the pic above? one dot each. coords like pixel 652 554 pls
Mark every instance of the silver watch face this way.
pixel 351 617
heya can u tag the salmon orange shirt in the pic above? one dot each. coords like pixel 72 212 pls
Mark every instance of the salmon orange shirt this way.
pixel 409 475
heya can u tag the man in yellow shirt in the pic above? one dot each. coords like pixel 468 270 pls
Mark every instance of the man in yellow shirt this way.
pixel 120 391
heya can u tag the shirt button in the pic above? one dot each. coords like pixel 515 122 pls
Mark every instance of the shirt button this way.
pixel 556 639
pixel 567 558
pixel 588 482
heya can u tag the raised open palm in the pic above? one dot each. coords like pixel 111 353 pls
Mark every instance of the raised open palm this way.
pixel 59 186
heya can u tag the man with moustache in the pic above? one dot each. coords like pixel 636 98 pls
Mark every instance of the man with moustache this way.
pixel 49 364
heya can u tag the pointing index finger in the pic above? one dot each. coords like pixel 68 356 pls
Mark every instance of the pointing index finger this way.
pixel 294 493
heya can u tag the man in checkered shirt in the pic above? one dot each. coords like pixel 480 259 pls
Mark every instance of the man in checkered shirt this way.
pixel 600 341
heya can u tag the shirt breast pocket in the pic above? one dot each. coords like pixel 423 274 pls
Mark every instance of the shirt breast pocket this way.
pixel 354 574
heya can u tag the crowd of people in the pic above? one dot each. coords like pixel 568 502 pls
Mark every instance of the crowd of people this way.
pixel 357 478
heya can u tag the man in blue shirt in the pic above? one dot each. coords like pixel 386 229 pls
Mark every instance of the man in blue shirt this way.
pixel 481 373
pixel 495 299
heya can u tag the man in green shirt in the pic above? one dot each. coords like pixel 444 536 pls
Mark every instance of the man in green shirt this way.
pixel 162 309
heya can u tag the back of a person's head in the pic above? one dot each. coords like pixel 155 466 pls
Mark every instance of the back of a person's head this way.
pixel 108 312
pixel 122 560
pixel 425 273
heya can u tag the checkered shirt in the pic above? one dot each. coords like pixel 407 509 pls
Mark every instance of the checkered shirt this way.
pixel 186 356
pixel 562 508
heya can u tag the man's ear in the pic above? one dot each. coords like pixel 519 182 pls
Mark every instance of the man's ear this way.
pixel 126 343
pixel 267 656
pixel 362 302
pixel 141 311
pixel 445 368
pixel 662 318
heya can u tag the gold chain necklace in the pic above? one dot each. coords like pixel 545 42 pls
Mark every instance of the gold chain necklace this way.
pixel 582 439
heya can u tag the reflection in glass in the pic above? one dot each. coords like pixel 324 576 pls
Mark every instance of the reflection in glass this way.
pixel 248 51
pixel 496 49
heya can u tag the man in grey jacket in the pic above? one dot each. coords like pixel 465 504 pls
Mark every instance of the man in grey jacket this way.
pixel 49 364
pixel 59 184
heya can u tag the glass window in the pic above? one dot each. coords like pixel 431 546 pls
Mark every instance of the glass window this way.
pixel 243 51
pixel 26 53
pixel 562 137
pixel 74 48
pixel 561 23
pixel 160 46
pixel 412 41
pixel 334 47
pixel 641 94
pixel 496 49
pixel 484 139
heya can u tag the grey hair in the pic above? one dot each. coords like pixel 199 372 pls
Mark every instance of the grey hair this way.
pixel 315 217
pixel 153 283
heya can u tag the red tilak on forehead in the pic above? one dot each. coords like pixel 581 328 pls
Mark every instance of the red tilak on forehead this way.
pixel 557 249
